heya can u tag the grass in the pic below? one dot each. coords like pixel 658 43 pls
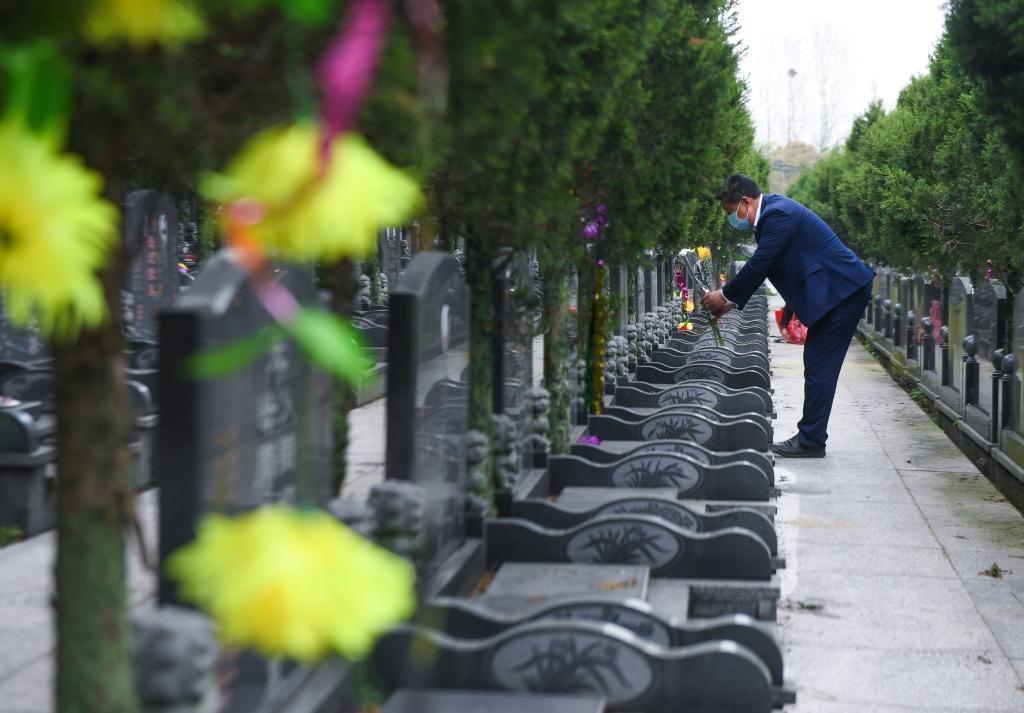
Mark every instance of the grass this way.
pixel 9 534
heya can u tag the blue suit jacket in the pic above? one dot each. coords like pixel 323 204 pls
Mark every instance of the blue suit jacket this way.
pixel 805 260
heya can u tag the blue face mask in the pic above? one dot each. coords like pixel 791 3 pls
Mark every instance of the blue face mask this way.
pixel 737 222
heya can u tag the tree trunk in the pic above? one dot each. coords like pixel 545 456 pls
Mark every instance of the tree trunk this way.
pixel 94 491
pixel 343 284
pixel 555 274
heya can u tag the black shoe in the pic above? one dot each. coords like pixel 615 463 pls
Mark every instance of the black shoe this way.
pixel 793 449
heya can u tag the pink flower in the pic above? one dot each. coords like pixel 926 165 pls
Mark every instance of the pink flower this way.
pixel 347 69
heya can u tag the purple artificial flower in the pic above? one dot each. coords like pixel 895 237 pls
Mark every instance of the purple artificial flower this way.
pixel 590 230
pixel 589 440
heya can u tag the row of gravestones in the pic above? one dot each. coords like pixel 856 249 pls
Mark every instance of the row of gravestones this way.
pixel 637 572
pixel 640 573
pixel 28 426
pixel 954 340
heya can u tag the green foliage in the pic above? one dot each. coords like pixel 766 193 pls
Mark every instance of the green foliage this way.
pixel 988 39
pixel 927 187
pixel 9 534
pixel 327 341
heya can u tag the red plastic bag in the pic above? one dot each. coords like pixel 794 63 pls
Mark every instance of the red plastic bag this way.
pixel 795 332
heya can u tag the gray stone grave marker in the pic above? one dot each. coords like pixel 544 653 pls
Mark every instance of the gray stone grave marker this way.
pixel 259 435
pixel 583 656
pixel 960 326
pixel 426 441
pixel 988 316
pixel 21 344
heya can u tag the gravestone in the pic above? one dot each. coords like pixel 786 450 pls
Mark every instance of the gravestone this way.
pixel 22 344
pixel 619 297
pixel 651 288
pixel 259 435
pixel 960 326
pixel 428 343
pixel 552 656
pixel 151 261
pixel 391 253
pixel 988 316
pixel 1013 439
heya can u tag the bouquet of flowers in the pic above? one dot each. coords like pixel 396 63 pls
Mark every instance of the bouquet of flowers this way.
pixel 698 262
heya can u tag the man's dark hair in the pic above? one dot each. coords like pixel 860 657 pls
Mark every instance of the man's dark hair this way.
pixel 737 187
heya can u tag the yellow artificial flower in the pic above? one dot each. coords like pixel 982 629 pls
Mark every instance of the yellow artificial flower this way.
pixel 703 253
pixel 294 583
pixel 308 215
pixel 689 305
pixel 55 231
pixel 143 22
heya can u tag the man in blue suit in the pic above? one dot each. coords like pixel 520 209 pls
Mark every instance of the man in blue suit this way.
pixel 827 286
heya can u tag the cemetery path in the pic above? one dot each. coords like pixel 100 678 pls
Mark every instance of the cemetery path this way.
pixel 26 617
pixel 889 603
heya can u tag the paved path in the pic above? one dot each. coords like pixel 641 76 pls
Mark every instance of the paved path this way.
pixel 884 608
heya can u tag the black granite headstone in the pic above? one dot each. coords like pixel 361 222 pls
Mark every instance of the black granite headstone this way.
pixel 428 345
pixel 151 261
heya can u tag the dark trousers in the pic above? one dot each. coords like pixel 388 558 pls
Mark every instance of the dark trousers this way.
pixel 824 352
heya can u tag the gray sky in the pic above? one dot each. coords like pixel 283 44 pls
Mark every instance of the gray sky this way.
pixel 845 54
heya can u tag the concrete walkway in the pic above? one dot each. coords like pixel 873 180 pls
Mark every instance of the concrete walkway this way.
pixel 885 607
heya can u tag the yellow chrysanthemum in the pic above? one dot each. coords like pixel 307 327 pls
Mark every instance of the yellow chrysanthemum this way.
pixel 309 216
pixel 293 583
pixel 55 231
pixel 143 22
pixel 689 305
pixel 703 253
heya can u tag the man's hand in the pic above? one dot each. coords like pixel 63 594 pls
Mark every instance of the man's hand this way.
pixel 716 304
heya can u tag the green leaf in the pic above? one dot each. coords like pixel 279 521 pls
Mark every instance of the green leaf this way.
pixel 226 360
pixel 330 343
pixel 310 12
pixel 36 83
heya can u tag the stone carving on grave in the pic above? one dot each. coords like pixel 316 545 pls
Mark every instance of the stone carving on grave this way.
pixel 570 661
pixel 640 622
pixel 665 509
pixel 677 426
pixel 623 540
pixel 477 482
pixel 536 426
pixel 611 355
pixel 175 655
pixel 683 448
pixel 656 472
pixel 384 288
pixel 632 348
pixel 688 395
pixel 579 373
pixel 506 451
pixel 398 516
pixel 622 358
pixel 365 300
